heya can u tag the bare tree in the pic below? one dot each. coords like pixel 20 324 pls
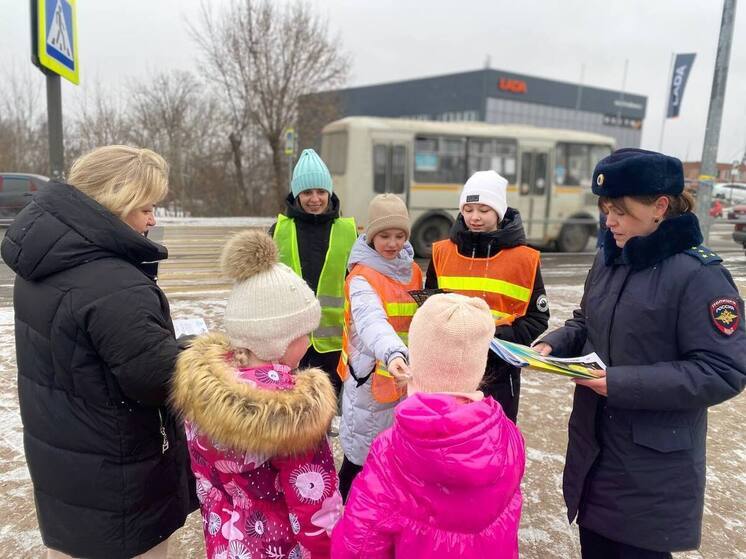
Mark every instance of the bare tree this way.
pixel 23 129
pixel 101 119
pixel 170 114
pixel 226 52
pixel 266 56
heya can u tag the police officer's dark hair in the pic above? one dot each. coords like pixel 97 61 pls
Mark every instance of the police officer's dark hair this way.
pixel 677 205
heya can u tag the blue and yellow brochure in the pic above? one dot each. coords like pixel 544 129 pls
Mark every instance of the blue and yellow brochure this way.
pixel 587 366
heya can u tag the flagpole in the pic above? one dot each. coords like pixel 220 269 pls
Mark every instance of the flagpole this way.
pixel 665 103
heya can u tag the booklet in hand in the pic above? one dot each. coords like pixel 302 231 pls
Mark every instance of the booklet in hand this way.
pixel 421 295
pixel 524 357
pixel 189 326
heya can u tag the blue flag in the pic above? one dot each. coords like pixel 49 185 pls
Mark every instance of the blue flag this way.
pixel 681 68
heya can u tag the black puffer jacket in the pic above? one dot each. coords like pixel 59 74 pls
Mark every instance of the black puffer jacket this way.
pixel 502 381
pixel 95 350
pixel 313 232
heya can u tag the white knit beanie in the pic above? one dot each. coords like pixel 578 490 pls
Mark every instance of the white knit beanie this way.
pixel 449 340
pixel 269 306
pixel 488 188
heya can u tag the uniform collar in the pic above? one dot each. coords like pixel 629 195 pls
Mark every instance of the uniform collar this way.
pixel 673 236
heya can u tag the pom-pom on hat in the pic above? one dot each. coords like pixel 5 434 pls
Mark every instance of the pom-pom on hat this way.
pixel 449 340
pixel 269 305
pixel 638 172
pixel 310 172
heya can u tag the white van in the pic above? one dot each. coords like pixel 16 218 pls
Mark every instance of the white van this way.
pixel 731 193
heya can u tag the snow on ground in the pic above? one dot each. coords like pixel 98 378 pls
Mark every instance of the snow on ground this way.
pixel 217 221
pixel 545 406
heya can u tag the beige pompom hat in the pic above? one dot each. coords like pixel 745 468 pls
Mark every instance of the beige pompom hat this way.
pixel 269 306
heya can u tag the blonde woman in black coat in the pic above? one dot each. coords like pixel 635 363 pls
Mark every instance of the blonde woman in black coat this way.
pixel 96 350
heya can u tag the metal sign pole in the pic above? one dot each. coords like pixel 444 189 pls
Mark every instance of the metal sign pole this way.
pixel 54 49
pixel 714 118
pixel 54 126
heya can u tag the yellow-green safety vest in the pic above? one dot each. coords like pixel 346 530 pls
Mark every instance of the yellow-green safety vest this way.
pixel 330 290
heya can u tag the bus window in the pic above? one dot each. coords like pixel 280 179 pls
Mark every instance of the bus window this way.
pixel 574 163
pixel 389 168
pixel 379 168
pixel 597 154
pixel 533 173
pixel 398 169
pixel 495 154
pixel 440 159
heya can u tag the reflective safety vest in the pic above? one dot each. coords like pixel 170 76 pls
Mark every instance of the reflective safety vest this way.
pixel 505 281
pixel 330 290
pixel 399 307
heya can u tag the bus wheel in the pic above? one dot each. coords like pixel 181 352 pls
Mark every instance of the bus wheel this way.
pixel 426 233
pixel 573 238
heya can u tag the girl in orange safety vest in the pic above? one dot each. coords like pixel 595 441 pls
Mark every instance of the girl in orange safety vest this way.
pixel 378 310
pixel 486 256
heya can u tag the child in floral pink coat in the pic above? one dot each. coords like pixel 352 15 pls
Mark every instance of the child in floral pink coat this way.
pixel 256 428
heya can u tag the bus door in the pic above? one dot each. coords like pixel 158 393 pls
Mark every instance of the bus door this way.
pixel 390 169
pixel 534 191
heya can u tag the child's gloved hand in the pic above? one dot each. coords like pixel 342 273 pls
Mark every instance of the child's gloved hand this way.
pixel 400 370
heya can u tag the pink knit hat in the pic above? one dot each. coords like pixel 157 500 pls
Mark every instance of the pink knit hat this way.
pixel 448 343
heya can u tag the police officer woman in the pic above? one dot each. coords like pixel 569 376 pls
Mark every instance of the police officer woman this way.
pixel 665 316
pixel 315 242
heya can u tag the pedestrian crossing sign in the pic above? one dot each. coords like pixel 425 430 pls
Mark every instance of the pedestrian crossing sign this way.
pixel 57 38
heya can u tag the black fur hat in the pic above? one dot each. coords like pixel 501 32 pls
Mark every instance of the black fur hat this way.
pixel 638 172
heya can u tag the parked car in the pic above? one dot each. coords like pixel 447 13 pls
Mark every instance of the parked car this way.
pixel 738 213
pixel 15 192
pixel 731 193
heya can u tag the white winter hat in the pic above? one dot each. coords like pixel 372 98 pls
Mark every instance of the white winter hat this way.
pixel 488 188
pixel 269 306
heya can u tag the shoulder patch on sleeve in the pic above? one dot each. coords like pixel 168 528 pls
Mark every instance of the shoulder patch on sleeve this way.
pixel 704 255
pixel 725 315
pixel 542 304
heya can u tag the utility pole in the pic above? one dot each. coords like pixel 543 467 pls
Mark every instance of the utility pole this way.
pixel 714 118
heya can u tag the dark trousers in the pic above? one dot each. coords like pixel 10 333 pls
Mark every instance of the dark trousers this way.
pixel 325 361
pixel 347 474
pixel 595 546
pixel 506 390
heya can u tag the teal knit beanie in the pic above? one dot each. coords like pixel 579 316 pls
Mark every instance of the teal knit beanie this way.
pixel 310 172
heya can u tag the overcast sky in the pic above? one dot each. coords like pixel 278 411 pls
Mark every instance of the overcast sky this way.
pixel 391 40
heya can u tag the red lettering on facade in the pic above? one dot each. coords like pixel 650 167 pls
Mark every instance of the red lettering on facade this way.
pixel 513 86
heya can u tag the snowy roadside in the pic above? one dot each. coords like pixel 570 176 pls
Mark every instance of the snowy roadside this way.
pixel 545 407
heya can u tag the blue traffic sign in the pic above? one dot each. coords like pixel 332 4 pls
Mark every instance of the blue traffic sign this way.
pixel 57 47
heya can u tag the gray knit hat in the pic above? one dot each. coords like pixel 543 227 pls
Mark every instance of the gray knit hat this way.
pixel 269 306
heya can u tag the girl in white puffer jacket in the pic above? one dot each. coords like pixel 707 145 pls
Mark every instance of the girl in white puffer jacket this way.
pixel 379 309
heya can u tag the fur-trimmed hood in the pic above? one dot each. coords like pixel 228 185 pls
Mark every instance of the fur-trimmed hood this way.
pixel 206 391
pixel 674 235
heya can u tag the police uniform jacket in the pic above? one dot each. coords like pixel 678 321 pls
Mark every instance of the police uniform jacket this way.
pixel 666 318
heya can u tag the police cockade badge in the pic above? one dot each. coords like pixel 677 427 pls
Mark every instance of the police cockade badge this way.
pixel 600 179
pixel 725 315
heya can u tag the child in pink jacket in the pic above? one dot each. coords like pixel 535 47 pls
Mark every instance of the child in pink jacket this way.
pixel 256 427
pixel 444 480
